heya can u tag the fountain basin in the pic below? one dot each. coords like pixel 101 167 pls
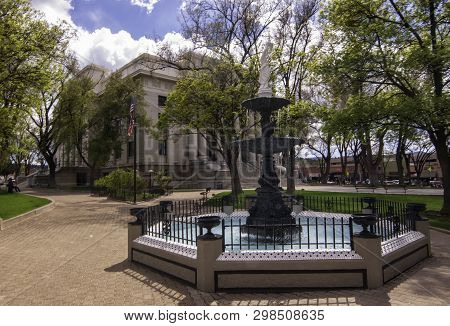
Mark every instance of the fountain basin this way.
pixel 264 104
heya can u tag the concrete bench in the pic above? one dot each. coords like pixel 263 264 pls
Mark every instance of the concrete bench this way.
pixel 359 187
pixel 395 187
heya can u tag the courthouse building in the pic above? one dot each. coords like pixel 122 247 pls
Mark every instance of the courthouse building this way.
pixel 191 160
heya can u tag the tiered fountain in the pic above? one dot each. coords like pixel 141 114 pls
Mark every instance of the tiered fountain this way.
pixel 270 207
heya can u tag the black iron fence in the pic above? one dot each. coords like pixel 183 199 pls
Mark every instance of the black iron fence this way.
pixel 308 232
pixel 176 221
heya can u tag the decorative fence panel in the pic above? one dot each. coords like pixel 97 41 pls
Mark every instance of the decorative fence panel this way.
pixel 325 223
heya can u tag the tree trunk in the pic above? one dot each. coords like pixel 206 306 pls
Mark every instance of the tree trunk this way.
pixel 326 173
pixel 51 173
pixel 92 175
pixel 231 158
pixel 399 161
pixel 356 169
pixel 17 169
pixel 440 143
pixel 27 168
pixel 372 172
pixel 327 162
pixel 407 163
pixel 290 177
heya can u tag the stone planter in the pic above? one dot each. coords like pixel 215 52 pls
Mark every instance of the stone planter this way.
pixel 370 208
pixel 365 220
pixel 208 223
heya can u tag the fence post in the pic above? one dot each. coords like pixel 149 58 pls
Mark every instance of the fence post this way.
pixel 413 211
pixel 207 252
pixel 134 229
pixel 369 248
pixel 209 247
pixel 419 223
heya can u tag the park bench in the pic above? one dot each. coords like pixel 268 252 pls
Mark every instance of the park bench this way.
pixel 403 187
pixel 205 193
pixel 359 187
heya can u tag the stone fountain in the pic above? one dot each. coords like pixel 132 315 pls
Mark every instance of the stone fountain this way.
pixel 270 207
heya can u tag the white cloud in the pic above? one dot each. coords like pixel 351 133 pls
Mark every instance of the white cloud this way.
pixel 108 49
pixel 103 47
pixel 147 4
pixel 55 10
pixel 113 50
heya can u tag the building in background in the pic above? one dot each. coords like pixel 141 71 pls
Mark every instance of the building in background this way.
pixel 191 160
pixel 309 170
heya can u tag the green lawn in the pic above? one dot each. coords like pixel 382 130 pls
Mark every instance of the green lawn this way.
pixel 434 203
pixel 16 203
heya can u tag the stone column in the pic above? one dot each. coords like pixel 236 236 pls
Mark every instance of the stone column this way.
pixel 202 148
pixel 207 252
pixel 423 226
pixel 369 248
pixel 134 229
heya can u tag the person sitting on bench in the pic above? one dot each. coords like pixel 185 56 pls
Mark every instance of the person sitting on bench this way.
pixel 11 186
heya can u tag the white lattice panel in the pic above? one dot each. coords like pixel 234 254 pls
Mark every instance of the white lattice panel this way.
pixel 170 246
pixel 260 255
pixel 394 244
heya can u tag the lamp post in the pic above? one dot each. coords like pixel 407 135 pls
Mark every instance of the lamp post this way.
pixel 150 179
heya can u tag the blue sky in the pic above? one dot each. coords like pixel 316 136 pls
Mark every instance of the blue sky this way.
pixel 122 15
pixel 113 32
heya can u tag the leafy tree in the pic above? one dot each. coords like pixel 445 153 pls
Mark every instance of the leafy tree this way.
pixel 29 46
pixel 293 36
pixel 226 34
pixel 231 30
pixel 401 48
pixel 44 117
pixel 294 121
pixel 95 125
pixel 367 118
pixel 210 103
pixel 22 150
pixel 420 150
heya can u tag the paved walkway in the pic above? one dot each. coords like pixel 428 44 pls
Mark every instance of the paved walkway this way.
pixel 76 255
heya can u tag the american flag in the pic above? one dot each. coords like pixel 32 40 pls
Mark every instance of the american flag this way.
pixel 132 117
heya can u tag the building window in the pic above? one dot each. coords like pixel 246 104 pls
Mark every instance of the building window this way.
pixel 211 149
pixel 162 100
pixel 162 147
pixel 130 149
pixel 81 179
pixel 244 154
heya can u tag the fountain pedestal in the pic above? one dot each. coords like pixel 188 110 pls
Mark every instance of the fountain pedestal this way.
pixel 269 208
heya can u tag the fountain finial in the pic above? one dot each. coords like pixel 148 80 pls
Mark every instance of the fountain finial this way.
pixel 265 89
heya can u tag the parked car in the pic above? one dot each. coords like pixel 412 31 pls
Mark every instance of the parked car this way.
pixel 436 184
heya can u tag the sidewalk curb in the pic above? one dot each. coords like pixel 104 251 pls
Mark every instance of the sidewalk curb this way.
pixel 22 217
pixel 440 230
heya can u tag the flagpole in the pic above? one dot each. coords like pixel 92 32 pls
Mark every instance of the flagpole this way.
pixel 134 163
pixel 132 128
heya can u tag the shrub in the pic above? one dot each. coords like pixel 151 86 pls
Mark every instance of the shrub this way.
pixel 163 180
pixel 119 184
